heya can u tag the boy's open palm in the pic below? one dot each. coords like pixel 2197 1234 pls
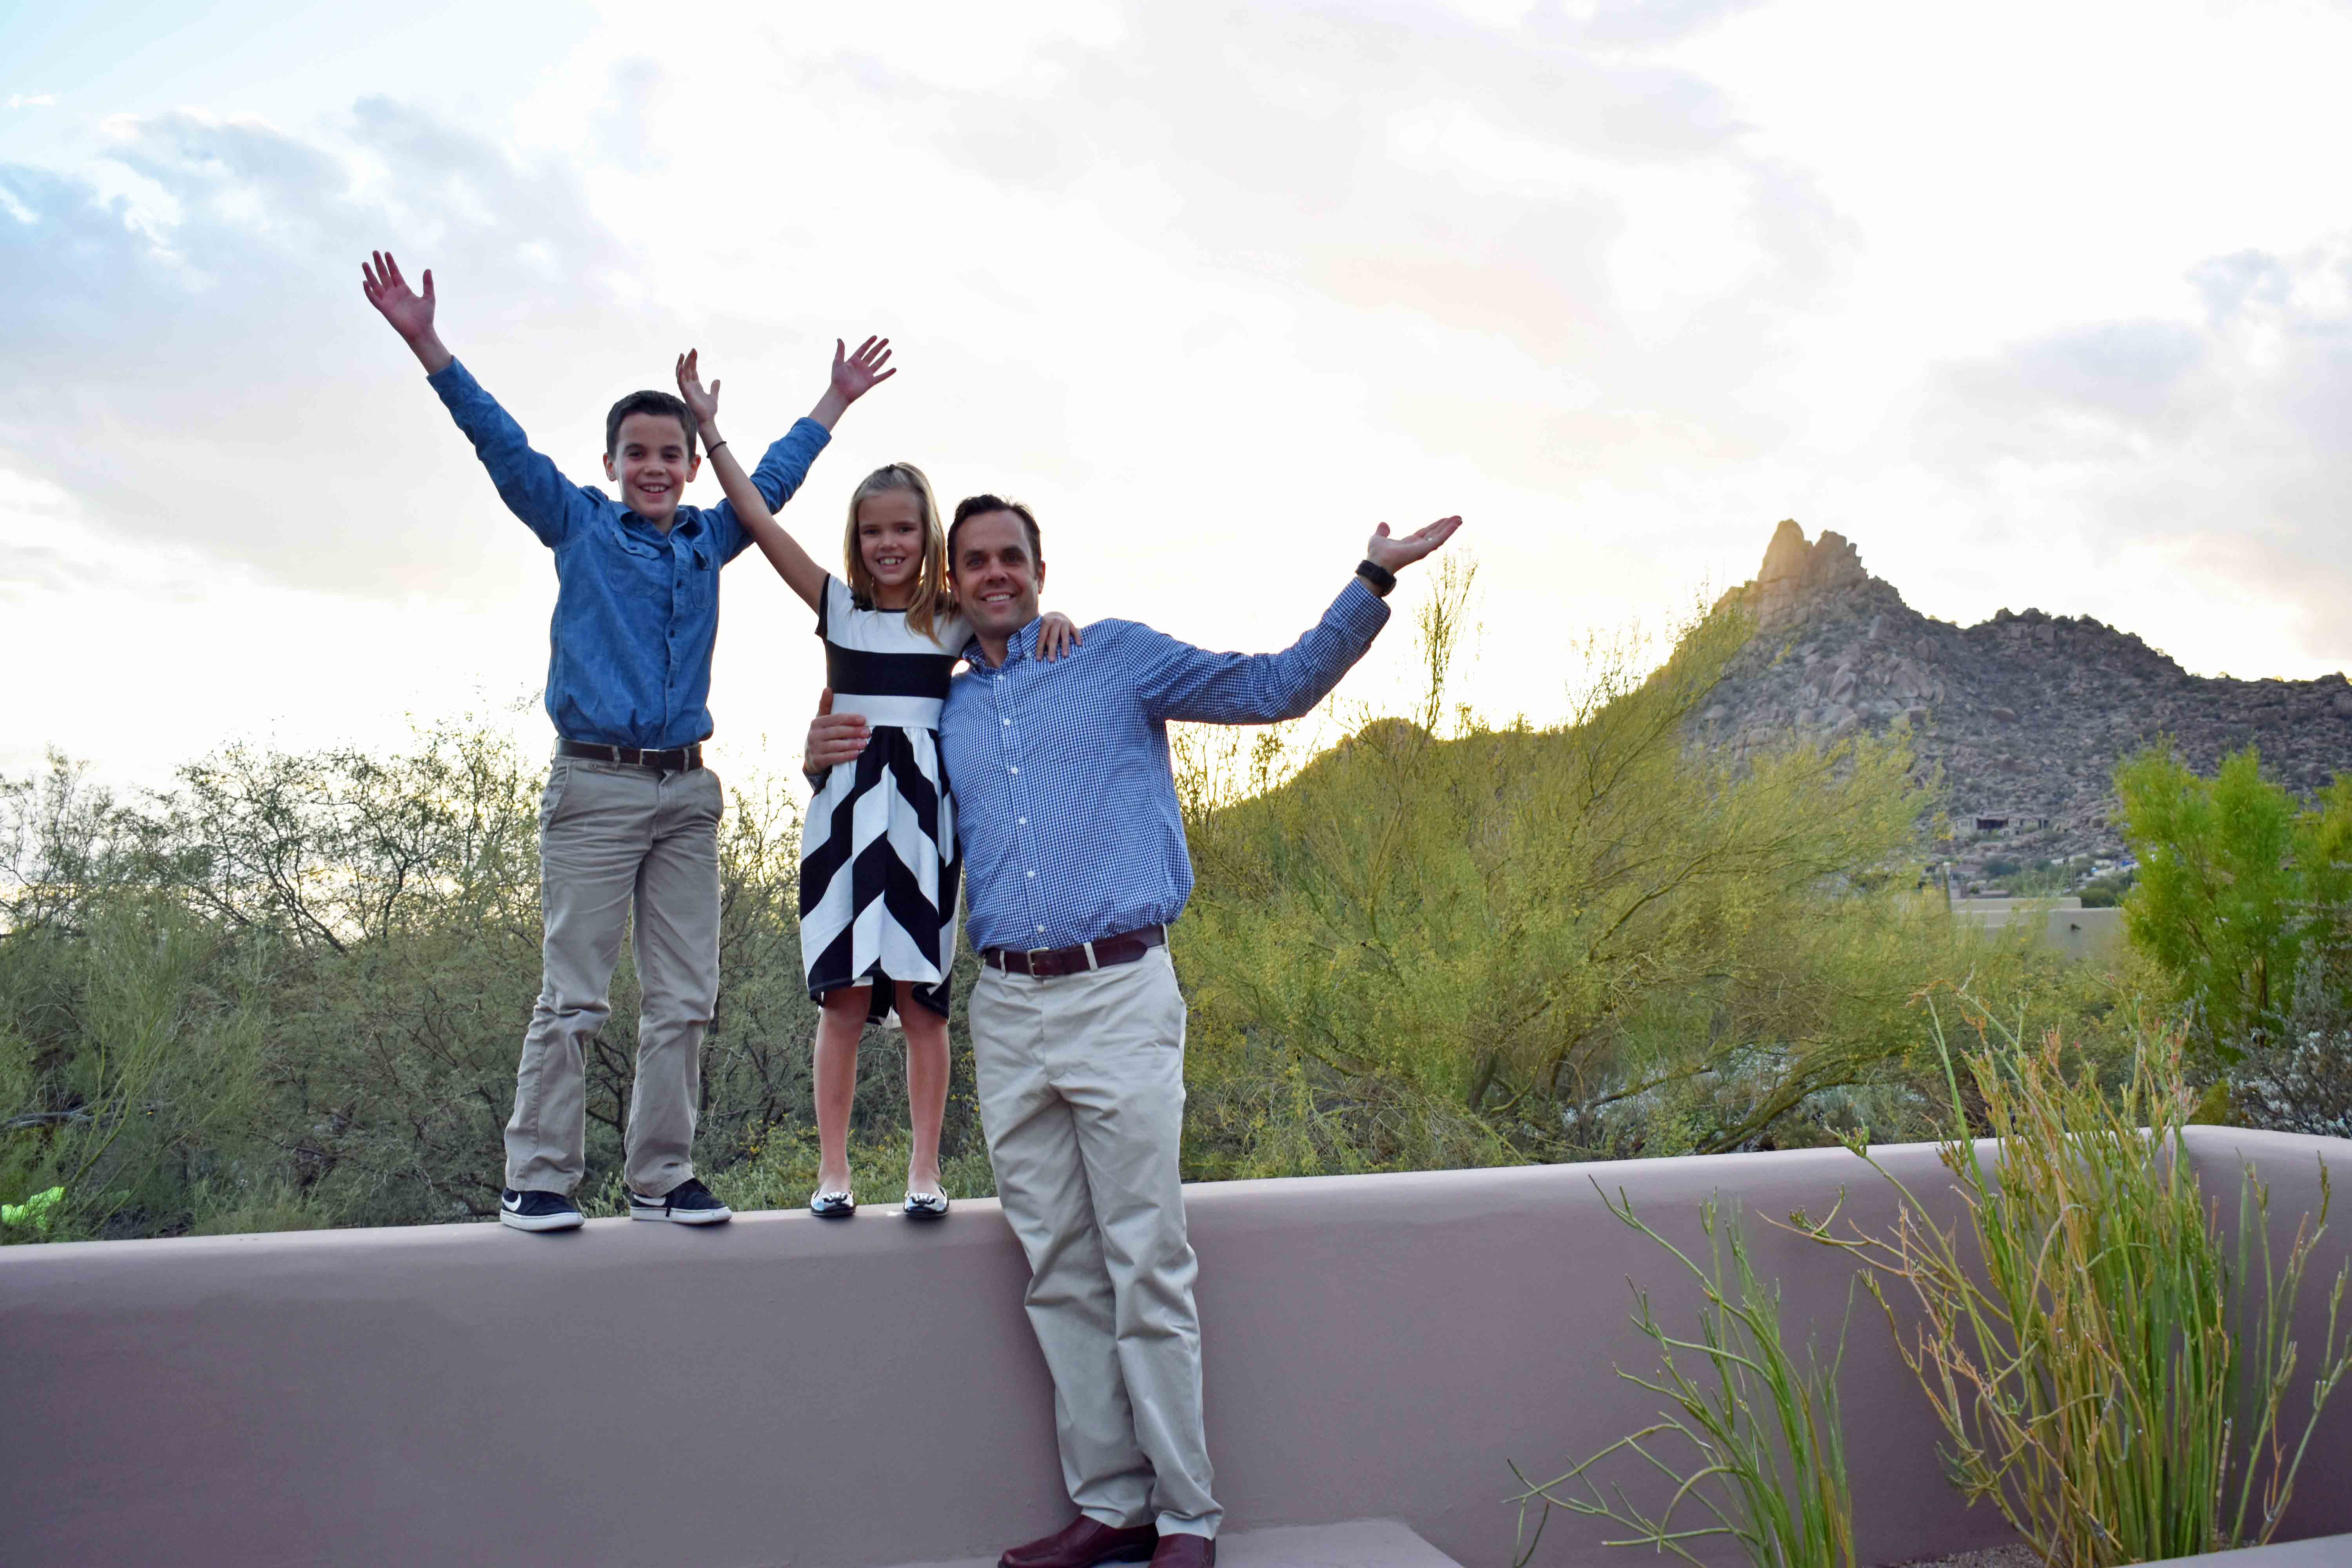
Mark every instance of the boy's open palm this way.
pixel 700 403
pixel 856 374
pixel 410 313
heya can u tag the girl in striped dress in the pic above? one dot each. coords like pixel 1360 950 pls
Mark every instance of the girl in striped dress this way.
pixel 880 871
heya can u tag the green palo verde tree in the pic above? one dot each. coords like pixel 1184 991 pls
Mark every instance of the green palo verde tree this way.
pixel 1487 916
pixel 2109 1371
pixel 2235 879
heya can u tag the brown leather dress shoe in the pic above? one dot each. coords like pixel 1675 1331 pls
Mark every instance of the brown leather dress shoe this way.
pixel 1185 1551
pixel 1082 1544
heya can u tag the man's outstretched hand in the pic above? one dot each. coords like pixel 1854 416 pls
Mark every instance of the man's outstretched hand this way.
pixel 1389 553
pixel 410 313
pixel 834 738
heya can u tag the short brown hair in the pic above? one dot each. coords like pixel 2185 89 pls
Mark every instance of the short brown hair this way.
pixel 668 404
pixel 980 506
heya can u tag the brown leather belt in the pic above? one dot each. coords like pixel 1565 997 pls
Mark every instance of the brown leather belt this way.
pixel 1045 964
pixel 676 760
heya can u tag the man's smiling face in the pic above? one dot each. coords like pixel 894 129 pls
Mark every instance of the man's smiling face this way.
pixel 650 460
pixel 996 578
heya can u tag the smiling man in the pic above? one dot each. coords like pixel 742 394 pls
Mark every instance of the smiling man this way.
pixel 630 818
pixel 1074 867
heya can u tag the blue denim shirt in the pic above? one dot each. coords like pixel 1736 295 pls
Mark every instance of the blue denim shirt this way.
pixel 1065 802
pixel 636 610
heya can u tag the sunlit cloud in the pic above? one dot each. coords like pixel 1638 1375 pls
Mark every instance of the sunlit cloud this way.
pixel 1623 283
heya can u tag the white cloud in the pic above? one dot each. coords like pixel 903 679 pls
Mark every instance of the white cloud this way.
pixel 32 99
pixel 2201 455
pixel 1623 283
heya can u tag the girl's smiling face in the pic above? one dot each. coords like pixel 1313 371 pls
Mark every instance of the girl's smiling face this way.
pixel 890 544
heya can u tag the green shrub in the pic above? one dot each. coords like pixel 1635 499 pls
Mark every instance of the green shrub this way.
pixel 2074 1331
pixel 2234 879
pixel 1768 1443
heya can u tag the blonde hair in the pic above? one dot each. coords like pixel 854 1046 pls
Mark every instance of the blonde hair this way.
pixel 931 589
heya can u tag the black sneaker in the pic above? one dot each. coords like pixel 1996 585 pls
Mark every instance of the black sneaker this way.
pixel 688 1203
pixel 537 1211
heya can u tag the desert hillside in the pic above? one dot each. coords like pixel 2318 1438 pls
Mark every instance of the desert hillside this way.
pixel 2025 713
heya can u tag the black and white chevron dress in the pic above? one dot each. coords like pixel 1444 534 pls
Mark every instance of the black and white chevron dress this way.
pixel 879 872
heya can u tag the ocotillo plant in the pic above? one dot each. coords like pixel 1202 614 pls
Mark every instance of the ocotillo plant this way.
pixel 2108 1372
pixel 1747 1407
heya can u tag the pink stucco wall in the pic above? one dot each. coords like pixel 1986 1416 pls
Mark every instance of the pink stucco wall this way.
pixel 779 1390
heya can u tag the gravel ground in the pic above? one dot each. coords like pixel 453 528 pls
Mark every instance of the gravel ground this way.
pixel 1990 1557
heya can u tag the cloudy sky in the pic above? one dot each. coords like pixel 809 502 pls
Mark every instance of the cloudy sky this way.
pixel 2038 304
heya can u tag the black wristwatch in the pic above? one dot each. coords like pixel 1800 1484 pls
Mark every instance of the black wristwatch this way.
pixel 1378 578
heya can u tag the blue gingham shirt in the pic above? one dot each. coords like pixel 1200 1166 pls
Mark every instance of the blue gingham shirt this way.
pixel 636 610
pixel 1065 802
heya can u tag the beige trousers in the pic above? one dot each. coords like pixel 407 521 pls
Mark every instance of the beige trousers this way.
pixel 612 837
pixel 1081 1082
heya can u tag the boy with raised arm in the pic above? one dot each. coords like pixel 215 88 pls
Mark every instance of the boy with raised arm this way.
pixel 630 816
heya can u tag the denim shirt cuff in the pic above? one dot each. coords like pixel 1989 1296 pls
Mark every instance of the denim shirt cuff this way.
pixel 453 380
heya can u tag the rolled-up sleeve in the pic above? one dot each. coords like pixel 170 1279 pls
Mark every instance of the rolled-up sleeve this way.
pixel 1176 680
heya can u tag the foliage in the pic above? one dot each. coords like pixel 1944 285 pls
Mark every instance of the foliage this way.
pixel 291 991
pixel 2078 1350
pixel 2234 879
pixel 1750 1409
pixel 1590 940
pixel 2105 892
pixel 164 1035
pixel 2300 1079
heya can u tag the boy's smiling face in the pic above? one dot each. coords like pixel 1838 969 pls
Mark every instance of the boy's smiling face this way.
pixel 650 460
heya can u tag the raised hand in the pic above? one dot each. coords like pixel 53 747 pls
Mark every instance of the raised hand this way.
pixel 1388 554
pixel 856 374
pixel 410 313
pixel 703 404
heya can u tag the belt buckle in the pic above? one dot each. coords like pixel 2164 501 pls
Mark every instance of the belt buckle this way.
pixel 1030 957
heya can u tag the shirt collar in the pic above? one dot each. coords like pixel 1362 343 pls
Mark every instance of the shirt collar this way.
pixel 1016 650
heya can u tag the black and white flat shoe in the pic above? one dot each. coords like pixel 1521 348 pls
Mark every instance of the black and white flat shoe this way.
pixel 927 1205
pixel 827 1204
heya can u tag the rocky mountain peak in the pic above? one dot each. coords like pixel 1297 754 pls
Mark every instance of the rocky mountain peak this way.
pixel 1796 572
pixel 2024 714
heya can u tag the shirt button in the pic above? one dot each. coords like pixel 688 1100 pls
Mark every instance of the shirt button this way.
pixel 1040 930
pixel 1008 722
pixel 1024 822
pixel 1029 873
pixel 1014 770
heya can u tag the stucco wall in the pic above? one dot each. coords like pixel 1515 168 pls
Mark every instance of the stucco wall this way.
pixel 779 1390
pixel 2077 932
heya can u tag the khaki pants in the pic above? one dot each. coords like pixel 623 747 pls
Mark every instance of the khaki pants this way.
pixel 1081 1083
pixel 611 837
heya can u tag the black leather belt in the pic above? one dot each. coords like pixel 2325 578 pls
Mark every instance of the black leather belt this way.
pixel 1045 964
pixel 676 760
